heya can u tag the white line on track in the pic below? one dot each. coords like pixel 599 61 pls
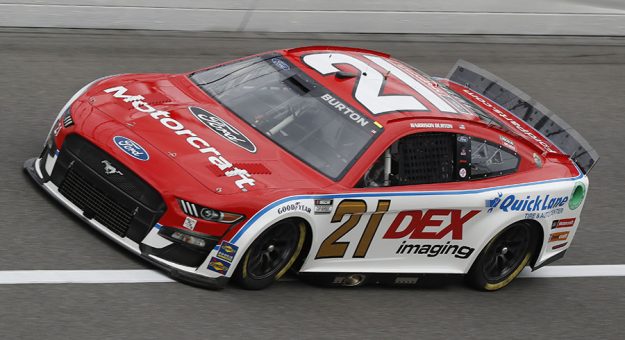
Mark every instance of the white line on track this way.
pixel 12 277
pixel 576 271
pixel 81 276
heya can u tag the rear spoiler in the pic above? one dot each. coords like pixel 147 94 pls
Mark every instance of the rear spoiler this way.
pixel 534 114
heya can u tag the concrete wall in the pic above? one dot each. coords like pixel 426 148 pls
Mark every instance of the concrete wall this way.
pixel 554 17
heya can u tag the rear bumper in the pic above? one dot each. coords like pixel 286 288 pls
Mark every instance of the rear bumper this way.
pixel 35 169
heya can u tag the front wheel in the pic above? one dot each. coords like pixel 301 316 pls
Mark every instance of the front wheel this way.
pixel 503 258
pixel 270 255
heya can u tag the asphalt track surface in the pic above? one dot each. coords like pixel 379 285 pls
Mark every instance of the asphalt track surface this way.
pixel 582 79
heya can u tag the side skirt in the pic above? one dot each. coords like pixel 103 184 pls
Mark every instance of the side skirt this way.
pixel 384 279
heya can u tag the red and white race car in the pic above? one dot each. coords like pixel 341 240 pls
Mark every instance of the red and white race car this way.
pixel 341 164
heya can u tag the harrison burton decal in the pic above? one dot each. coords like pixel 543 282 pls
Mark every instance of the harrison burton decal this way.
pixel 225 130
pixel 131 147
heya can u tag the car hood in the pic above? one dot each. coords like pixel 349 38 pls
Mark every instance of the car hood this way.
pixel 213 145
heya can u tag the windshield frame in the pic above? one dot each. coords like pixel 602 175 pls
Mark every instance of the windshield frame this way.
pixel 267 57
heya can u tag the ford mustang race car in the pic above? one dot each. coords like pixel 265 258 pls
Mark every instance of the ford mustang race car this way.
pixel 343 165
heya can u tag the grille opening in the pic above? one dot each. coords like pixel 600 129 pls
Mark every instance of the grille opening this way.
pixel 130 183
pixel 94 202
pixel 125 204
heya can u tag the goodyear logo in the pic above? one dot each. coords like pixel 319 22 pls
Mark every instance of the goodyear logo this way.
pixel 218 266
pixel 227 251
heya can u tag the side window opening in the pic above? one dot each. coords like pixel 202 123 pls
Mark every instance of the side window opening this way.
pixel 437 157
pixel 425 158
pixel 489 159
pixel 415 159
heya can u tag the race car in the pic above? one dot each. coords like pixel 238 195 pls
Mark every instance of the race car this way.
pixel 344 166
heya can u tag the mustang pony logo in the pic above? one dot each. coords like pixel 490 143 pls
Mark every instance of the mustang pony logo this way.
pixel 109 169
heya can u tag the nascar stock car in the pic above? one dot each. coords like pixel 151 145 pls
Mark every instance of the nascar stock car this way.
pixel 340 164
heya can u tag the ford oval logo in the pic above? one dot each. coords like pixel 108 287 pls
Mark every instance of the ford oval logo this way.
pixel 131 147
pixel 223 129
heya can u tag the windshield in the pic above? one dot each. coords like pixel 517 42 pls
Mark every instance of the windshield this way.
pixel 292 110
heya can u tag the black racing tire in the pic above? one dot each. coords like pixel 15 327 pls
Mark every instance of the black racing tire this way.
pixel 271 255
pixel 503 258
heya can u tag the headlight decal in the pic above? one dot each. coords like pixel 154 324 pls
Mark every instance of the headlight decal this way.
pixel 208 214
pixel 189 208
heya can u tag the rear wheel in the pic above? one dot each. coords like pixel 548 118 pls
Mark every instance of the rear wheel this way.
pixel 271 255
pixel 503 258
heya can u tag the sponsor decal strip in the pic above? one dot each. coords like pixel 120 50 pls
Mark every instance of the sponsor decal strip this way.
pixel 263 211
pixel 16 277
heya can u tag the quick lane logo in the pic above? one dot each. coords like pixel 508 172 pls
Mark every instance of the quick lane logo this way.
pixel 131 147
pixel 223 129
pixel 214 156
pixel 493 203
pixel 529 203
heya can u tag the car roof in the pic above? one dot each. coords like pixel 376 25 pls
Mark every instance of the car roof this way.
pixel 438 103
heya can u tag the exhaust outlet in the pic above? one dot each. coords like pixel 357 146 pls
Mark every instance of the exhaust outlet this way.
pixel 353 280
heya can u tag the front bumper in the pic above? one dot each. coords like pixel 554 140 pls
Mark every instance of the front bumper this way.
pixel 36 169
